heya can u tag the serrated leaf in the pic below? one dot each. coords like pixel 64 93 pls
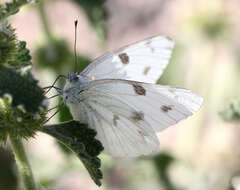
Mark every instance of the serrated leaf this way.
pixel 81 140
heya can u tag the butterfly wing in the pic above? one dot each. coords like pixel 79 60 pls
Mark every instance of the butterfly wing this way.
pixel 142 61
pixel 126 114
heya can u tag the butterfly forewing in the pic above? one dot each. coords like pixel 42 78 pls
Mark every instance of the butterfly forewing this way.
pixel 142 61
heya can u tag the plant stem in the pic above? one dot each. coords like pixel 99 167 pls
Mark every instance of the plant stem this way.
pixel 41 8
pixel 23 164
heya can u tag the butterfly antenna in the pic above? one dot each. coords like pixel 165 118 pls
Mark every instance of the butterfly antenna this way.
pixel 75 44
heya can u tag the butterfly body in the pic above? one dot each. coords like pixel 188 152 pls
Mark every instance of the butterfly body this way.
pixel 115 95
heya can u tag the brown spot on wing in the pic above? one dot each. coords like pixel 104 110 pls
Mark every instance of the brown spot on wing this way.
pixel 124 58
pixel 142 133
pixel 170 39
pixel 115 118
pixel 166 108
pixel 139 89
pixel 146 70
pixel 149 45
pixel 172 90
pixel 138 116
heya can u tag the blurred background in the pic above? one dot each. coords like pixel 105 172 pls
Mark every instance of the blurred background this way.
pixel 200 153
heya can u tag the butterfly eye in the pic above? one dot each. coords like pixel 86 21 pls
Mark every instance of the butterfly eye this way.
pixel 75 78
pixel 72 77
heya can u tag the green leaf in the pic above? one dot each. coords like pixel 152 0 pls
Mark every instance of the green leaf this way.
pixel 81 140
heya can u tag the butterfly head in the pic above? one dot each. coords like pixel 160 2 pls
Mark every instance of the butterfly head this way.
pixel 75 78
pixel 72 77
pixel 72 87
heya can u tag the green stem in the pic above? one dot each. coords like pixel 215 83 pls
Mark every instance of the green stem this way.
pixel 44 20
pixel 23 164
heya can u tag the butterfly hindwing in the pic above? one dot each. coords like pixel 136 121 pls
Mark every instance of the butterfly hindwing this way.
pixel 120 135
pixel 126 114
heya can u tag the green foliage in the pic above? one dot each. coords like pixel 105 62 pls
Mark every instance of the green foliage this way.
pixel 22 57
pixel 232 112
pixel 8 177
pixel 22 105
pixel 162 162
pixel 56 55
pixel 64 114
pixel 212 23
pixel 81 140
pixel 8 43
pixel 23 89
pixel 11 8
pixel 172 74
pixel 12 52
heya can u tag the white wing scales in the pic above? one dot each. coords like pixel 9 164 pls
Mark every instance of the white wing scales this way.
pixel 142 61
pixel 126 114
pixel 122 138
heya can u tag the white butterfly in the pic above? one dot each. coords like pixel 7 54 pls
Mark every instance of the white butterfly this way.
pixel 114 96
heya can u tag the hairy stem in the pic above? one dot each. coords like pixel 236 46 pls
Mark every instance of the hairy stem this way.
pixel 23 164
pixel 45 24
